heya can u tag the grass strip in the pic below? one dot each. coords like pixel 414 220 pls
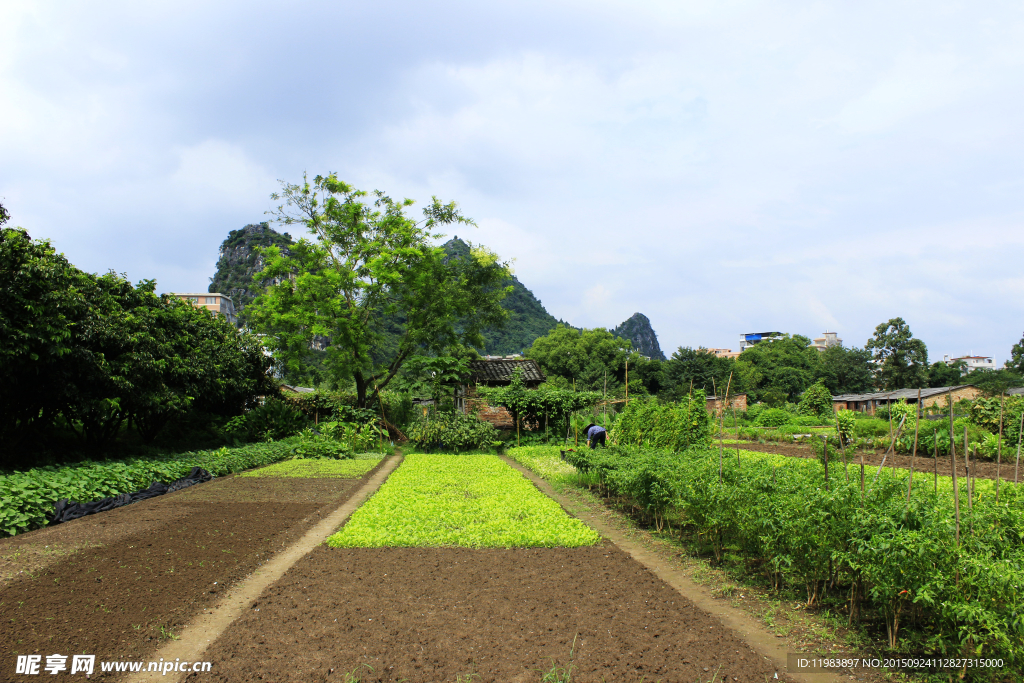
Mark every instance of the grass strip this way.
pixel 317 469
pixel 474 501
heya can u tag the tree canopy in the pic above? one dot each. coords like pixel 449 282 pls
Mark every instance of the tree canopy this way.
pixel 689 369
pixel 778 370
pixel 588 357
pixel 369 286
pixel 901 360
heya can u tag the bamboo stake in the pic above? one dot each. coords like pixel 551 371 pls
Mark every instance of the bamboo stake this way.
pixel 825 438
pixel 627 382
pixel 910 483
pixel 935 457
pixel 862 483
pixel 721 429
pixel 999 443
pixel 967 468
pixel 842 449
pixel 889 450
pixel 1020 433
pixel 956 485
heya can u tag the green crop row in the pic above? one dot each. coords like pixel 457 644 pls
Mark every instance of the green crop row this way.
pixel 474 501
pixel 871 552
pixel 28 497
pixel 318 469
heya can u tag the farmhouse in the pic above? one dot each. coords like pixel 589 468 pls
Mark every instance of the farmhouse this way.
pixel 867 403
pixel 736 402
pixel 495 372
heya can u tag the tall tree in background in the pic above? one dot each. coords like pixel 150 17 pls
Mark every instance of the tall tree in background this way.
pixel 700 369
pixel 778 370
pixel 845 370
pixel 1016 361
pixel 590 356
pixel 901 360
pixel 369 281
pixel 943 374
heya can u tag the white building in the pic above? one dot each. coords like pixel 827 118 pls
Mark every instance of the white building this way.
pixel 754 338
pixel 826 340
pixel 972 362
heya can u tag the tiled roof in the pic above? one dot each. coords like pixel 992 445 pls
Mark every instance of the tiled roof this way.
pixel 500 371
pixel 898 394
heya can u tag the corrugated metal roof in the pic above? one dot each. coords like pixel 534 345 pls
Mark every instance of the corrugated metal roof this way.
pixel 898 394
pixel 500 371
pixel 1015 391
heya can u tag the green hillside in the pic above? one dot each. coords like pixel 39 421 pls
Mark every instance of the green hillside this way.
pixel 528 318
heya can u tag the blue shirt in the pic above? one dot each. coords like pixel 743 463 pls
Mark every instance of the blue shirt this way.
pixel 594 431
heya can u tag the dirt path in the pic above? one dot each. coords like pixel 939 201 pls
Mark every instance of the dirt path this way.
pixel 120 583
pixel 749 629
pixel 982 469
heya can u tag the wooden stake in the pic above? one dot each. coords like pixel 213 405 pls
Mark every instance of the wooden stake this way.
pixel 1020 433
pixel 935 457
pixel 967 469
pixel 627 382
pixel 842 449
pixel 825 438
pixel 910 483
pixel 999 443
pixel 886 455
pixel 721 430
pixel 952 461
pixel 862 482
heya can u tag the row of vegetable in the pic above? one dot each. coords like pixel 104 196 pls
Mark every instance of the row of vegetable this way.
pixel 475 501
pixel 937 584
pixel 28 497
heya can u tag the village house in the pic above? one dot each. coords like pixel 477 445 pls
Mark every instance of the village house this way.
pixel 932 396
pixel 495 372
pixel 216 303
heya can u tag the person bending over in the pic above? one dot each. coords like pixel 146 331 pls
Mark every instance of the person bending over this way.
pixel 595 435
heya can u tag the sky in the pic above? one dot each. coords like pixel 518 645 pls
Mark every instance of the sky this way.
pixel 723 167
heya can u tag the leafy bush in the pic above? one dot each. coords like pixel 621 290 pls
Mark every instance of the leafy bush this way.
pixel 28 497
pixel 326 448
pixel 817 401
pixel 846 422
pixel 672 426
pixel 453 432
pixel 271 421
pixel 773 417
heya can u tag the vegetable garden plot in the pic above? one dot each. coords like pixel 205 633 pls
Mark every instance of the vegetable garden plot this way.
pixel 317 469
pixel 489 615
pixel 172 558
pixel 460 500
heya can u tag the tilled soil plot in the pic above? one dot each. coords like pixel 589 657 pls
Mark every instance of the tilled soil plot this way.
pixel 120 599
pixel 981 469
pixel 448 614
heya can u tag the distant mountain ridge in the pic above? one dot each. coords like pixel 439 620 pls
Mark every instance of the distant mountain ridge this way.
pixel 528 319
pixel 638 330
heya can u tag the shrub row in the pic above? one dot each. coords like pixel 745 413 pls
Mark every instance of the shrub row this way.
pixel 28 497
pixel 873 550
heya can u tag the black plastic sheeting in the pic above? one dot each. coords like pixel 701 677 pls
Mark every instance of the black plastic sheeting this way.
pixel 65 511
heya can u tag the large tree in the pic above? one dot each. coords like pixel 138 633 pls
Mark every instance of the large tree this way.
pixel 778 369
pixel 1016 361
pixel 845 370
pixel 901 361
pixel 590 357
pixel 699 369
pixel 943 374
pixel 369 285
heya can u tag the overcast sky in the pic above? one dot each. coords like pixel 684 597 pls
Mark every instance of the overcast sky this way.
pixel 723 167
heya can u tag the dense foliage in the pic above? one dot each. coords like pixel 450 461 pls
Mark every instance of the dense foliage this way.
pixel 593 360
pixel 872 551
pixel 658 424
pixel 544 408
pixel 370 286
pixel 817 401
pixel 452 432
pixel 96 353
pixel 28 497
pixel 474 501
pixel 901 359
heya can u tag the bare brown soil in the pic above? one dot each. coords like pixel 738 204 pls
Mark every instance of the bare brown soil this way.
pixel 981 469
pixel 117 583
pixel 447 614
